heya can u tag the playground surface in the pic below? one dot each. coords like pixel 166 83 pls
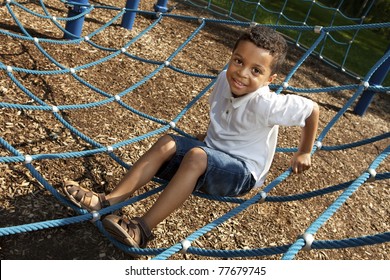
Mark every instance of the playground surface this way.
pixel 23 200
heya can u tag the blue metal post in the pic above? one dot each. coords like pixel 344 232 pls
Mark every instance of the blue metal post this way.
pixel 75 27
pixel 376 79
pixel 129 17
pixel 161 6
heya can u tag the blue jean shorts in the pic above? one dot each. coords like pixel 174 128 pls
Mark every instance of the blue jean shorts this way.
pixel 225 175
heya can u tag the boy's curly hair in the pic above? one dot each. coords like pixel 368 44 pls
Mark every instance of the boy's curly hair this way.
pixel 268 39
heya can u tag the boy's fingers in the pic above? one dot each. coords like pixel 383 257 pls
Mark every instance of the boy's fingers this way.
pixel 296 168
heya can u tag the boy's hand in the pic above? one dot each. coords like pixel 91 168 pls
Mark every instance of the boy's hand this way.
pixel 201 136
pixel 300 162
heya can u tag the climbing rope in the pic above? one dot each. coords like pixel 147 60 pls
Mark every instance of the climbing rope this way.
pixel 289 251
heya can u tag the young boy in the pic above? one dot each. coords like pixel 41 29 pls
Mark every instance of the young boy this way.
pixel 235 154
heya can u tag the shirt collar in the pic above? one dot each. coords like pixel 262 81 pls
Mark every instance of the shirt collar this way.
pixel 238 101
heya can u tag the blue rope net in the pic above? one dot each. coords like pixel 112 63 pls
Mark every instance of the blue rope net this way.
pixel 143 118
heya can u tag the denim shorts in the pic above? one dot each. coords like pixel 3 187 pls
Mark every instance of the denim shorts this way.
pixel 225 175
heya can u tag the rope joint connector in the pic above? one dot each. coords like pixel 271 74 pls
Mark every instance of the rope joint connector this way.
pixel 318 144
pixel 185 244
pixel 308 238
pixel 172 124
pixel 28 159
pixel 95 216
pixel 318 29
pixel 365 84
pixel 55 109
pixel 372 173
pixel 263 195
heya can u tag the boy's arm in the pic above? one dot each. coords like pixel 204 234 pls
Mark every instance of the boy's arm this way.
pixel 202 136
pixel 301 160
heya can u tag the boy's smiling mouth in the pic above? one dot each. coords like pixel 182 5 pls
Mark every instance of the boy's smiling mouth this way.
pixel 237 83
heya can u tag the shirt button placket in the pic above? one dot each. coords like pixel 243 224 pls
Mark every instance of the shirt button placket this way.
pixel 228 112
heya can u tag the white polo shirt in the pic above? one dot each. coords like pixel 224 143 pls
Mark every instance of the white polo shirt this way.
pixel 247 126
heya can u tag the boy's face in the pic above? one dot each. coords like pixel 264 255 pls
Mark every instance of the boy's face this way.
pixel 249 69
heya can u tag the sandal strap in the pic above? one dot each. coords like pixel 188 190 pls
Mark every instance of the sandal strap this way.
pixel 103 201
pixel 146 233
pixel 82 197
pixel 80 193
pixel 133 232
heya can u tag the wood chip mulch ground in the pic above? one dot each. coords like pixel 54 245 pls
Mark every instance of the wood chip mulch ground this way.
pixel 23 200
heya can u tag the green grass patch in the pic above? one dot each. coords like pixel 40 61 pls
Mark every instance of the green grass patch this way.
pixel 367 47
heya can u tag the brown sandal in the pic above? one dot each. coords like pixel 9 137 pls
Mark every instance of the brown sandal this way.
pixel 134 233
pixel 83 197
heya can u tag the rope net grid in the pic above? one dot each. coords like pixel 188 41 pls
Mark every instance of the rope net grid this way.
pixel 86 109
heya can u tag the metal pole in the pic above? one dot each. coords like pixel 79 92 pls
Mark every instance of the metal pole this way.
pixel 129 17
pixel 376 79
pixel 75 26
pixel 161 6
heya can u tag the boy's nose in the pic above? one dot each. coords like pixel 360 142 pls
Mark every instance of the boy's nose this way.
pixel 243 72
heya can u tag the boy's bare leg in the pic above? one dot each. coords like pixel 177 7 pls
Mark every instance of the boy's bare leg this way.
pixel 179 188
pixel 142 171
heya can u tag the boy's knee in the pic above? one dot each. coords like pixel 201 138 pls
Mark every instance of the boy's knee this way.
pixel 196 158
pixel 166 144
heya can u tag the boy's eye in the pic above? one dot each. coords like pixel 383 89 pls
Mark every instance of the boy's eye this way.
pixel 237 61
pixel 256 71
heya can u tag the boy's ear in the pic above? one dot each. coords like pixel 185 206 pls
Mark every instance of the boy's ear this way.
pixel 272 78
